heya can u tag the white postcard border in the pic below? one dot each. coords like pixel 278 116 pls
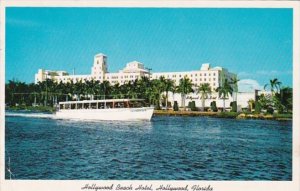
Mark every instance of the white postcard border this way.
pixel 38 185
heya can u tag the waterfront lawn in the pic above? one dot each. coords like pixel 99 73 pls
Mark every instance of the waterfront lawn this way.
pixel 232 115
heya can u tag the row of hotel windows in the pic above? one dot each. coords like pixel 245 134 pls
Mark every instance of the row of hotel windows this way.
pixel 113 78
pixel 185 75
pixel 174 75
pixel 179 75
pixel 125 81
pixel 193 79
pixel 117 77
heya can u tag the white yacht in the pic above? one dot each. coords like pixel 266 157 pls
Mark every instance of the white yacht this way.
pixel 111 109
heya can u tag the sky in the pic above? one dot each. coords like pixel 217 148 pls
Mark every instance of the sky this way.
pixel 256 44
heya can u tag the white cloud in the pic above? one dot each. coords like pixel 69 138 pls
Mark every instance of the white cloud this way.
pixel 249 85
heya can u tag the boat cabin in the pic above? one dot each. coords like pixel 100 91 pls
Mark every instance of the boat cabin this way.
pixel 103 104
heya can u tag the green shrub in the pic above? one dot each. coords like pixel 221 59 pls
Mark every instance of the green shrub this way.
pixel 213 106
pixel 257 107
pixel 284 115
pixel 233 106
pixel 192 106
pixel 270 110
pixel 175 106
pixel 189 104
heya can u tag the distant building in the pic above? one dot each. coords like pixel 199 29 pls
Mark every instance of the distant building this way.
pixel 135 70
pixel 99 71
pixel 213 76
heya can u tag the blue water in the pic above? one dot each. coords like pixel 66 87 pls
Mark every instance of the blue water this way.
pixel 167 148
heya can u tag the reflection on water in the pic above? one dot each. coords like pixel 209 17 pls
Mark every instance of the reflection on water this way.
pixel 169 148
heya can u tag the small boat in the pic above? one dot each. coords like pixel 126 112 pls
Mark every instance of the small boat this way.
pixel 110 109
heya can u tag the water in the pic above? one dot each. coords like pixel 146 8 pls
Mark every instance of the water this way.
pixel 167 148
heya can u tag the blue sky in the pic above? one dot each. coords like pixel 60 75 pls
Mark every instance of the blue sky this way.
pixel 254 43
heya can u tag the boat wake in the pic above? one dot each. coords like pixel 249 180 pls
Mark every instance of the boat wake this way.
pixel 32 115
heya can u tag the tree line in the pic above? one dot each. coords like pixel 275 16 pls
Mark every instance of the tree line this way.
pixel 280 99
pixel 154 92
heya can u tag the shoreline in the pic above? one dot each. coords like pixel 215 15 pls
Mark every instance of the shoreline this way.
pixel 230 115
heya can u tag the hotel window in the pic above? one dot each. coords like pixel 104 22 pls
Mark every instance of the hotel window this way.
pixel 209 74
pixel 195 74
pixel 214 84
pixel 179 76
pixel 214 74
pixel 200 74
pixel 214 79
pixel 200 79
pixel 196 79
pixel 204 79
pixel 191 75
pixel 205 74
pixel 209 79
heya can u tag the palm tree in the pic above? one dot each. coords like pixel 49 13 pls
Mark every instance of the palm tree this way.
pixel 285 98
pixel 224 91
pixel 52 87
pixel 116 93
pixel 78 89
pixel 274 84
pixel 10 90
pixel 185 87
pixel 156 90
pixel 169 85
pixel 61 88
pixel 143 88
pixel 69 89
pixel 205 91
pixel 162 84
pixel 46 87
pixel 174 90
pixel 90 88
pixel 131 89
pixel 234 81
pixel 105 88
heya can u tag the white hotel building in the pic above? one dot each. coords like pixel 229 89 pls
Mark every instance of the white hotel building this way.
pixel 135 70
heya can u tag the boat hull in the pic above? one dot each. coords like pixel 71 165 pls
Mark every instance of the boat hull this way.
pixel 114 114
